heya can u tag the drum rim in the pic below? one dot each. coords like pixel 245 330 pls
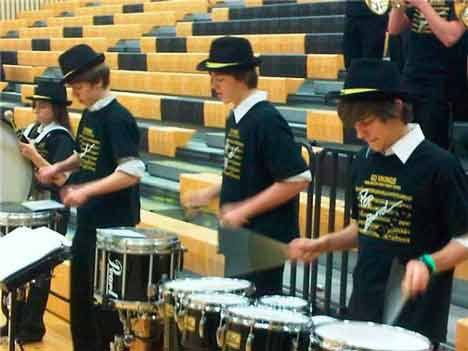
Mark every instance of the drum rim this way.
pixel 322 340
pixel 210 306
pixel 167 290
pixel 292 327
pixel 24 219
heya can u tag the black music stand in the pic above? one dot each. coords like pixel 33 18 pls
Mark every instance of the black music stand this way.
pixel 36 268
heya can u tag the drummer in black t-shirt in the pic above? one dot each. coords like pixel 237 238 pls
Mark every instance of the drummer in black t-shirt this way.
pixel 50 141
pixel 410 203
pixel 432 44
pixel 263 167
pixel 105 190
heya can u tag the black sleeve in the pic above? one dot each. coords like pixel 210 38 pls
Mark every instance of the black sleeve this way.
pixel 281 154
pixel 123 136
pixel 60 146
pixel 453 197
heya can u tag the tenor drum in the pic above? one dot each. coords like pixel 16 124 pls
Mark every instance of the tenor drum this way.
pixel 130 265
pixel 351 335
pixel 15 170
pixel 175 292
pixel 280 302
pixel 14 215
pixel 262 328
pixel 202 315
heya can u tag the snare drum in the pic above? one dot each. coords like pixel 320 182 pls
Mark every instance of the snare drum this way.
pixel 202 314
pixel 175 292
pixel 15 171
pixel 262 328
pixel 130 265
pixel 351 335
pixel 14 215
pixel 280 302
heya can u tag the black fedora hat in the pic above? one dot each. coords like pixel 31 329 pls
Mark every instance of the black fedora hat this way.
pixel 371 79
pixel 227 53
pixel 52 91
pixel 77 60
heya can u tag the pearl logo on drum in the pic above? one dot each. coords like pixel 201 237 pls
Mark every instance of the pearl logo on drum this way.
pixel 114 268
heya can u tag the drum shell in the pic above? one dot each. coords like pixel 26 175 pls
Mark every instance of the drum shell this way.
pixel 265 339
pixel 191 337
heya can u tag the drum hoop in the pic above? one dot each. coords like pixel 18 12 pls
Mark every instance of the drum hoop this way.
pixel 209 306
pixel 25 219
pixel 323 341
pixel 289 327
pixel 139 249
pixel 105 237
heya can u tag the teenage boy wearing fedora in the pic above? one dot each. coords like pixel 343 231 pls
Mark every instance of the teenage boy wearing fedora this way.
pixel 263 168
pixel 435 57
pixel 104 189
pixel 410 202
pixel 49 141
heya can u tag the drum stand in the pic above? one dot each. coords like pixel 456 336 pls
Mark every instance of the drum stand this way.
pixel 141 332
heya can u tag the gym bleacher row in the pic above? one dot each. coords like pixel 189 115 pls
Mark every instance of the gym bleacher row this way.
pixel 152 49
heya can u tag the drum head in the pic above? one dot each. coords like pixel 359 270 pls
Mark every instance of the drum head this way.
pixel 136 240
pixel 15 214
pixel 370 336
pixel 15 170
pixel 286 302
pixel 210 300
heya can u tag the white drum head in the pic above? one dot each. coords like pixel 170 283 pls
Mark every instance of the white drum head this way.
pixel 15 170
pixel 286 302
pixel 370 336
pixel 208 284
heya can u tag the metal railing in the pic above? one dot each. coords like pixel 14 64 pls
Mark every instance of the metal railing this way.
pixel 10 8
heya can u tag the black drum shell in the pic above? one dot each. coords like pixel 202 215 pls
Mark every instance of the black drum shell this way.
pixel 191 337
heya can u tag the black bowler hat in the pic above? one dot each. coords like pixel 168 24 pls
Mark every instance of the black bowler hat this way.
pixel 77 60
pixel 52 91
pixel 227 53
pixel 369 79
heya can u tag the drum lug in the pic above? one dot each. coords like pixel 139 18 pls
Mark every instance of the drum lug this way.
pixel 250 340
pixel 295 343
pixel 152 292
pixel 313 342
pixel 201 326
pixel 220 332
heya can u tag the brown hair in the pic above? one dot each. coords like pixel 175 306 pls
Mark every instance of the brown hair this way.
pixel 247 75
pixel 354 110
pixel 94 75
pixel 61 116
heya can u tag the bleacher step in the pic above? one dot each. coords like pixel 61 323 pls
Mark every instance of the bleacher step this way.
pixel 200 153
pixel 155 187
pixel 171 169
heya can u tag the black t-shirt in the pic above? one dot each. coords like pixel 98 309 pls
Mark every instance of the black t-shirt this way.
pixel 104 137
pixel 404 211
pixel 428 59
pixel 259 151
pixel 55 146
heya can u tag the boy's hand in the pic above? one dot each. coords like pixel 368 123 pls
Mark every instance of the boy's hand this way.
pixel 233 215
pixel 305 250
pixel 74 196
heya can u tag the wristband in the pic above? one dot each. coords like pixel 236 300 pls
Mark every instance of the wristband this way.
pixel 429 262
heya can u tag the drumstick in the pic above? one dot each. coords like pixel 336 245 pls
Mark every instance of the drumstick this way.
pixel 10 119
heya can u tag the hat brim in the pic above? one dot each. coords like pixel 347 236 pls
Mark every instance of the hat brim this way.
pixel 49 99
pixel 207 65
pixel 96 60
pixel 367 94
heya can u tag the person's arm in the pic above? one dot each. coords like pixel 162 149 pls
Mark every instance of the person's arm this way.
pixel 448 32
pixel 202 197
pixel 48 173
pixel 398 21
pixel 307 250
pixel 418 273
pixel 235 215
pixel 76 196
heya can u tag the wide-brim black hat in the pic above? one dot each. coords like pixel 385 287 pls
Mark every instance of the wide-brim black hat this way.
pixel 371 79
pixel 53 92
pixel 229 53
pixel 77 60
